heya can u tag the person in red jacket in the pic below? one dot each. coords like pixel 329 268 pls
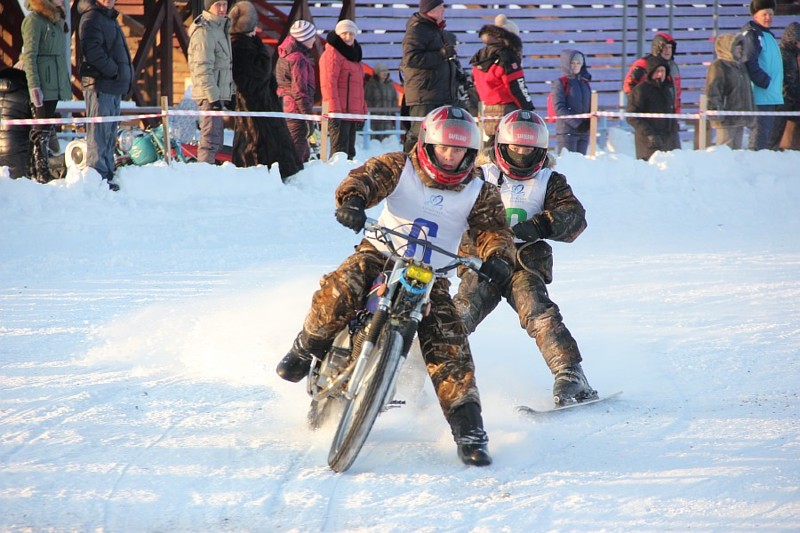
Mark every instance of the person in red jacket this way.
pixel 294 73
pixel 497 73
pixel 342 85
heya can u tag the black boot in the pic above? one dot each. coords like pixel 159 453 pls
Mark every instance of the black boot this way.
pixel 467 427
pixel 295 365
pixel 40 156
pixel 571 386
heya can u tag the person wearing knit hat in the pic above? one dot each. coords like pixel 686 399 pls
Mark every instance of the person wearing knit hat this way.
pixel 426 6
pixel 212 80
pixel 503 22
pixel 342 85
pixel 765 66
pixel 346 26
pixel 303 31
pixel 297 82
pixel 243 17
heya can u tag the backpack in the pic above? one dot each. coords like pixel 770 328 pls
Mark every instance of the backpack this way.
pixel 551 108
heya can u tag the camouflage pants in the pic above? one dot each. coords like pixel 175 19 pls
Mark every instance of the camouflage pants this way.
pixel 442 336
pixel 539 316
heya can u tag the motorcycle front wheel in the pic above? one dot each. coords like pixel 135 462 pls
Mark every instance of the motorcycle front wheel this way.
pixel 360 413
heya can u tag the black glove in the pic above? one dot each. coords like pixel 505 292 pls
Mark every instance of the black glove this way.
pixel 497 270
pixel 230 105
pixel 652 142
pixel 448 51
pixel 216 105
pixel 528 231
pixel 351 214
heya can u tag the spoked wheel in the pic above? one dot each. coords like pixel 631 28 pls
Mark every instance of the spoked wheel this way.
pixel 360 413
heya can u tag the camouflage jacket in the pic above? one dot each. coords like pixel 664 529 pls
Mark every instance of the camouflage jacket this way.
pixel 377 178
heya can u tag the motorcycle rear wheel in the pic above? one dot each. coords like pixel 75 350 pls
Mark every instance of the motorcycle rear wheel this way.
pixel 360 413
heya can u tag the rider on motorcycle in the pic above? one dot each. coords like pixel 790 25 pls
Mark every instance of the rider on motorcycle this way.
pixel 540 206
pixel 436 187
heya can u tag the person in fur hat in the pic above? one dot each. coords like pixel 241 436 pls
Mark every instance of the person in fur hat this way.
pixel 257 140
pixel 342 85
pixel 45 63
pixel 765 66
pixel 497 73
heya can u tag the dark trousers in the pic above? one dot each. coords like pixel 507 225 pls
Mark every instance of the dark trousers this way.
pixel 101 138
pixel 342 134
pixel 413 128
pixel 761 134
pixel 573 142
pixel 299 131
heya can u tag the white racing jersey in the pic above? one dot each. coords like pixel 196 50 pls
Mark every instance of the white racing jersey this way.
pixel 437 215
pixel 522 199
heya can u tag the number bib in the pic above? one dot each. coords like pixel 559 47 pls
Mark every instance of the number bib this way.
pixel 438 215
pixel 522 199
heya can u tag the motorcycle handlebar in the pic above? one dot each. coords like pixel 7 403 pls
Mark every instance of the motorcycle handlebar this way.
pixel 471 262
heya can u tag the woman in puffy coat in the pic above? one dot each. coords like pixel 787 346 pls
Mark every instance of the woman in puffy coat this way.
pixel 728 89
pixel 294 73
pixel 653 95
pixel 44 38
pixel 14 104
pixel 342 85
pixel 257 140
pixel 572 95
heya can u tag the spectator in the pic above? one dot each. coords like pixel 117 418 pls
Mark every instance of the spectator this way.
pixel 14 104
pixel 380 94
pixel 653 95
pixel 763 60
pixel 297 82
pixel 728 89
pixel 210 65
pixel 663 45
pixel 428 68
pixel 257 140
pixel 342 85
pixel 572 95
pixel 466 96
pixel 497 71
pixel 106 76
pixel 786 135
pixel 44 40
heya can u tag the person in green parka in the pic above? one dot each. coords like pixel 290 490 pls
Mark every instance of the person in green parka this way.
pixel 44 41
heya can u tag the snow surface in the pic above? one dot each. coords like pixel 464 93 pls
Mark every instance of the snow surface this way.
pixel 139 332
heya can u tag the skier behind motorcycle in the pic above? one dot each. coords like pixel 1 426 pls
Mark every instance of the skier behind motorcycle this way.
pixel 436 186
pixel 539 205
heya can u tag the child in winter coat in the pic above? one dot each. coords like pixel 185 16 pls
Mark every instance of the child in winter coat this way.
pixel 379 93
pixel 539 205
pixel 572 95
pixel 728 89
pixel 297 82
pixel 654 95
pixel 342 85
pixel 435 184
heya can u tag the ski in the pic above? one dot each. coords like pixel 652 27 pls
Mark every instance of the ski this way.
pixel 530 412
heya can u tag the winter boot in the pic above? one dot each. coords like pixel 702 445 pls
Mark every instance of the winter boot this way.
pixel 295 365
pixel 467 427
pixel 571 386
pixel 40 156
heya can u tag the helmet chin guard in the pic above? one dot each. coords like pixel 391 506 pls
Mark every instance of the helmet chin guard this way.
pixel 521 128
pixel 448 126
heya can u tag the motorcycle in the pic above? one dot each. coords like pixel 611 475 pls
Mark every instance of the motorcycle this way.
pixel 358 375
pixel 134 146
